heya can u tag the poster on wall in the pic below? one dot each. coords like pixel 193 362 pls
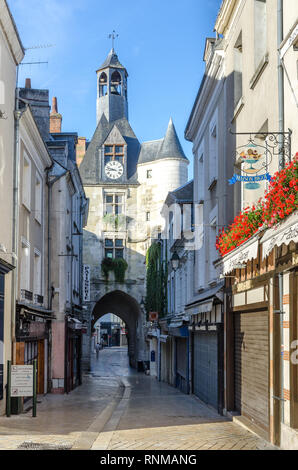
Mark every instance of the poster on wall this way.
pixel 86 283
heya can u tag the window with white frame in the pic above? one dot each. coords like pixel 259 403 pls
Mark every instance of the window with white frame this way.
pixel 113 204
pixel 212 249
pixel 260 31
pixel 26 181
pixel 173 295
pixel 201 175
pixel 37 273
pixel 213 161
pixel 38 197
pixel 238 66
pixel 25 265
pixel 114 248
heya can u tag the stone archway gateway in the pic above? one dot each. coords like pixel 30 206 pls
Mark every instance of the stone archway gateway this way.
pixel 127 308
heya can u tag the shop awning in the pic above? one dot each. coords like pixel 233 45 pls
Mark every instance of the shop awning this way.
pixel 204 302
pixel 202 307
pixel 284 233
pixel 76 324
pixel 242 254
pixel 163 338
pixel 36 311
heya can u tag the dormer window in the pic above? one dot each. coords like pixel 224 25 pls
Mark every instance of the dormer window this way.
pixel 114 152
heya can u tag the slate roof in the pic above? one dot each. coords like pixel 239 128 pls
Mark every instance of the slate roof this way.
pixel 183 194
pixel 168 147
pixel 112 61
pixel 89 168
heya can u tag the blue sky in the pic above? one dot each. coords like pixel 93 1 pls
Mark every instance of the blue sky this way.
pixel 161 43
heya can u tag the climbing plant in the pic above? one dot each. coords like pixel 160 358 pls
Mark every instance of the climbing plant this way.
pixel 117 265
pixel 120 267
pixel 156 280
pixel 115 221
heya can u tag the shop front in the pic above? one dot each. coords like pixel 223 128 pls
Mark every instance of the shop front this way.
pixel 206 331
pixel 261 333
pixel 73 354
pixel 178 331
pixel 33 327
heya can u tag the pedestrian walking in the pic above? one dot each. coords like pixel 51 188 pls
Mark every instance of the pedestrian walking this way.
pixel 97 348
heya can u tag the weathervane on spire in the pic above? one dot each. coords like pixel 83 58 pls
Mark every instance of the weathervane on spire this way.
pixel 113 36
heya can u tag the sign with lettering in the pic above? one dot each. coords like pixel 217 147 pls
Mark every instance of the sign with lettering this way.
pixel 241 255
pixel 284 234
pixel 254 158
pixel 249 179
pixel 86 283
pixel 21 381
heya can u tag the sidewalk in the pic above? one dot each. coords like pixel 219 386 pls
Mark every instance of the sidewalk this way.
pixel 66 421
pixel 117 408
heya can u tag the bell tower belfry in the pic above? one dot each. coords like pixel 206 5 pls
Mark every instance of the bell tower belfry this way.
pixel 112 89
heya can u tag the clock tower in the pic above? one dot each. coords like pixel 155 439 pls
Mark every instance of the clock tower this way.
pixel 112 89
pixel 126 183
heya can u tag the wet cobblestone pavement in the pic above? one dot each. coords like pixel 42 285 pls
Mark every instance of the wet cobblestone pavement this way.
pixel 117 408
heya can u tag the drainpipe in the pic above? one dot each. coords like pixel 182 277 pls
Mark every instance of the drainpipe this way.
pixel 281 117
pixel 280 286
pixel 15 220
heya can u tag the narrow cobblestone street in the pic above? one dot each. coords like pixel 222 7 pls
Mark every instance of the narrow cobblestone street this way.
pixel 117 408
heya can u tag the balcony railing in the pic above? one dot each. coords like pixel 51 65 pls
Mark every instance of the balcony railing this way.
pixel 38 299
pixel 26 295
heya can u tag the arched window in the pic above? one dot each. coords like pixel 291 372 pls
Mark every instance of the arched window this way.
pixel 116 83
pixel 103 84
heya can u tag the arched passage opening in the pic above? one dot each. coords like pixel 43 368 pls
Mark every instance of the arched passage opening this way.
pixel 127 308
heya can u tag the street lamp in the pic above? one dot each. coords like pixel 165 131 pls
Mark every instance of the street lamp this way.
pixel 175 260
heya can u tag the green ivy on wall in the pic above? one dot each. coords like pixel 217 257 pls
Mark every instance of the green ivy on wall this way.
pixel 156 280
pixel 118 265
pixel 115 221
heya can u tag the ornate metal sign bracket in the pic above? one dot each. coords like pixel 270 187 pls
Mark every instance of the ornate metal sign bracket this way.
pixel 276 143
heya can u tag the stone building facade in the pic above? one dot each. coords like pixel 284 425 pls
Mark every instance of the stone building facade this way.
pixel 11 54
pixel 126 183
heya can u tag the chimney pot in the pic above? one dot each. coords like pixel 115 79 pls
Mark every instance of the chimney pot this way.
pixel 28 83
pixel 55 117
pixel 54 105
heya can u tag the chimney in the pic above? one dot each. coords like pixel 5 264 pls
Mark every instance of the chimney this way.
pixel 55 118
pixel 80 150
pixel 28 83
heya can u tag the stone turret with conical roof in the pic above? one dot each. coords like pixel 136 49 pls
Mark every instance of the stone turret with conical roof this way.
pixel 170 147
pixel 112 89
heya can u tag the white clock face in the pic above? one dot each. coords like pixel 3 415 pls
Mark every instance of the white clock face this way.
pixel 114 169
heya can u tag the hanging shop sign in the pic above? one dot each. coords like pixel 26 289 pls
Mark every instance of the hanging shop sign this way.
pixel 257 154
pixel 250 179
pixel 153 316
pixel 86 283
pixel 254 159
